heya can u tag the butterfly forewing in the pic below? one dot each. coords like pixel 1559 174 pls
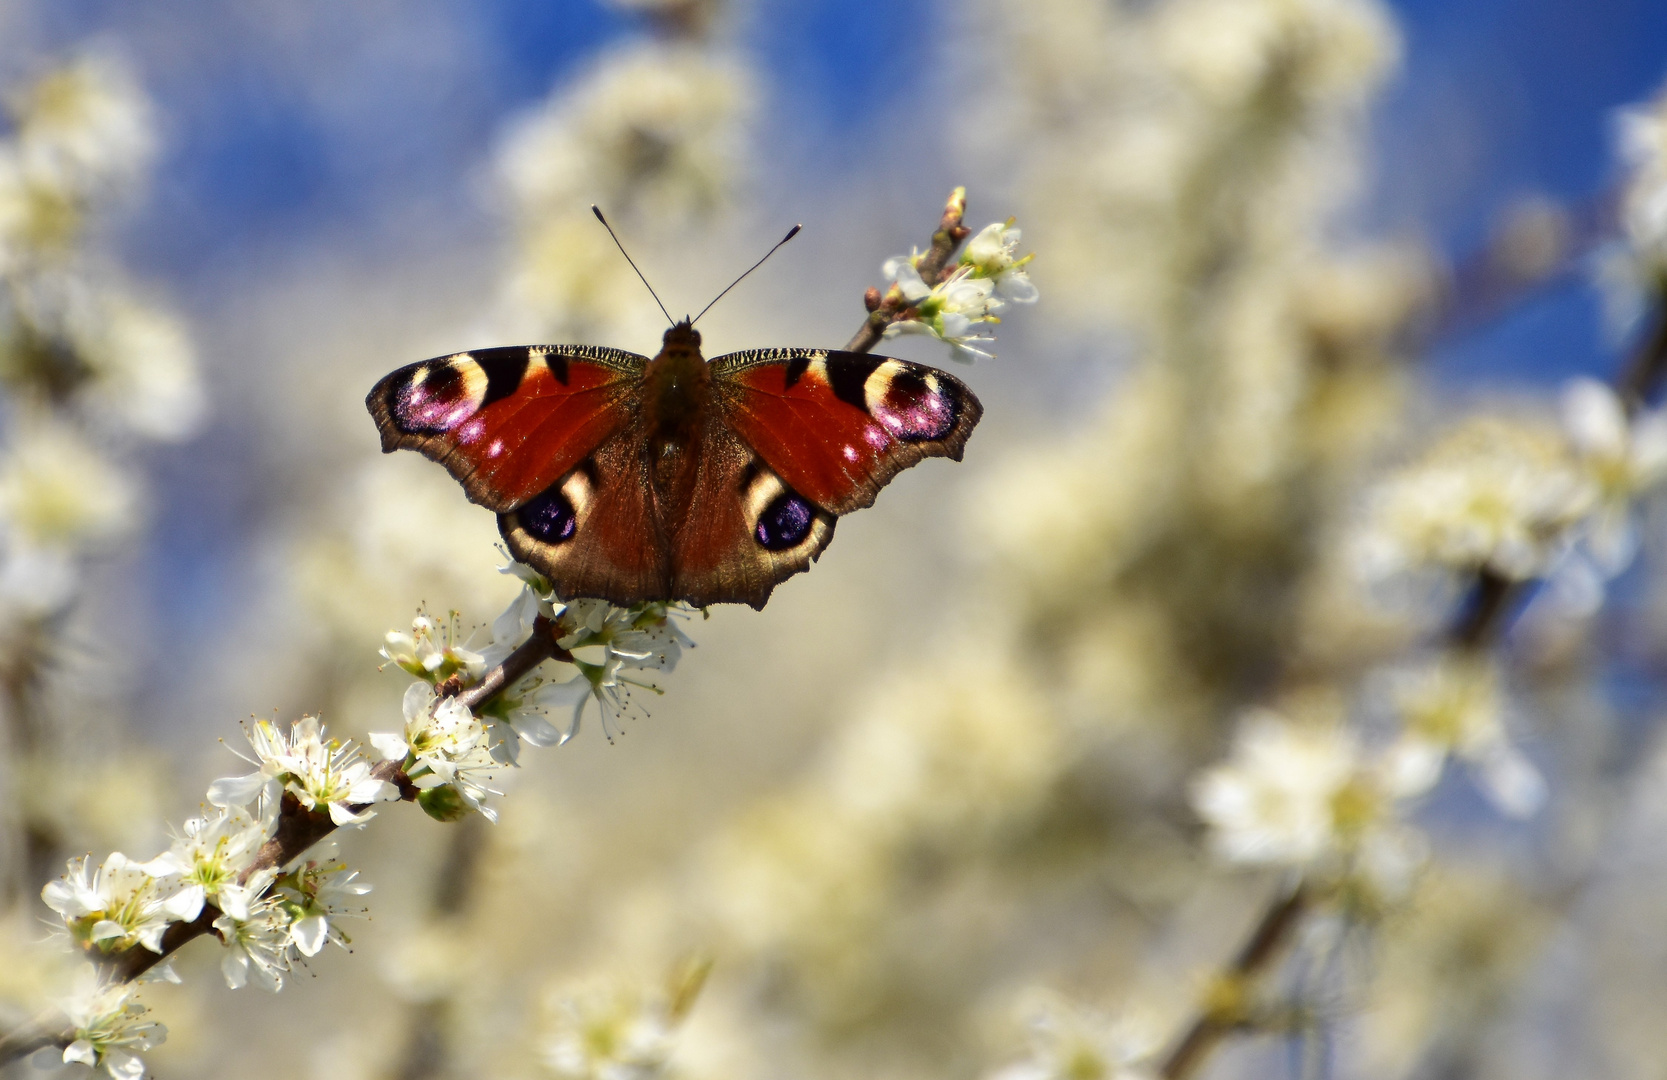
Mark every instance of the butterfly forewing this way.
pixel 837 426
pixel 507 422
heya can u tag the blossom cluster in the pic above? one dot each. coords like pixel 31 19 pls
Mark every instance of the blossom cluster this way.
pixel 268 914
pixel 958 308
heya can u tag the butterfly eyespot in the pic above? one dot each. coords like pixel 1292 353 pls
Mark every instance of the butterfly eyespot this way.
pixel 549 517
pixel 914 408
pixel 439 396
pixel 785 522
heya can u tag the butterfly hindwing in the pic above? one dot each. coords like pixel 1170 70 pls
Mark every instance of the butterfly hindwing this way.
pixel 745 530
pixel 507 422
pixel 837 426
pixel 595 530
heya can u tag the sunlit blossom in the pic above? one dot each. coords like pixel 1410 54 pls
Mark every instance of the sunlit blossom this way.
pixel 323 775
pixel 110 1030
pixel 120 903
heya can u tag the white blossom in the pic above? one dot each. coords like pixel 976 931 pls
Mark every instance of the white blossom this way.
pixel 1304 794
pixel 322 775
pixel 108 1028
pixel 1623 459
pixel 431 652
pixel 1455 706
pixel 949 311
pixel 214 851
pixel 1491 494
pixel 120 903
pixel 316 894
pixel 990 255
pixel 1069 1041
pixel 257 940
pixel 607 1033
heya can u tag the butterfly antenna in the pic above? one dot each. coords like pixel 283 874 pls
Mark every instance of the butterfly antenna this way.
pixel 791 233
pixel 597 210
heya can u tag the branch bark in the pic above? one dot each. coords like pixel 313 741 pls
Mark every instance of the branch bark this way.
pixel 934 267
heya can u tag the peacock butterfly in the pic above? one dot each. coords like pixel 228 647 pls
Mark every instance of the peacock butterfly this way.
pixel 633 479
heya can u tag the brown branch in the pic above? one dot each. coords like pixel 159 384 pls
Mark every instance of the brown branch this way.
pixel 298 830
pixel 934 267
pixel 1226 1013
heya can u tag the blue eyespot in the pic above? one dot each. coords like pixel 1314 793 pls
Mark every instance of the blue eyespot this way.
pixel 549 517
pixel 785 522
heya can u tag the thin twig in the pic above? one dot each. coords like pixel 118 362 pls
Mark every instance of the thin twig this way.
pixel 1225 1013
pixel 934 267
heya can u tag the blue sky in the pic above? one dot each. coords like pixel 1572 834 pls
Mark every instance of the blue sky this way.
pixel 267 122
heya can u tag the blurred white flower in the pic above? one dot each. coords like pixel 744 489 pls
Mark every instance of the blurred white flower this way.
pixel 109 1027
pixel 1491 494
pixel 1069 1041
pixel 1456 706
pixel 58 497
pixel 990 255
pixel 142 370
pixel 85 127
pixel 322 775
pixel 1624 460
pixel 1304 794
pixel 120 903
pixel 1633 272
pixel 607 1033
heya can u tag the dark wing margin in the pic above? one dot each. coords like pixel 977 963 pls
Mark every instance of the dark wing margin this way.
pixel 507 422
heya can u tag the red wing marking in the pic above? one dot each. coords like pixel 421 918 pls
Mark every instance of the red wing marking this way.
pixel 836 426
pixel 508 422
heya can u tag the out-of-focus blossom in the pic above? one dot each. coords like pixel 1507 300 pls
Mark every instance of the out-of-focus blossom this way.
pixel 1492 494
pixel 58 498
pixel 652 133
pixel 110 1030
pixel 142 370
pixel 84 127
pixel 1634 271
pixel 1455 706
pixel 119 903
pixel 1625 458
pixel 323 775
pixel 1305 794
pixel 1069 1041
pixel 609 1032
pixel 1235 52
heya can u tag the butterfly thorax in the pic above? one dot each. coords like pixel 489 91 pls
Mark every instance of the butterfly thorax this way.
pixel 677 387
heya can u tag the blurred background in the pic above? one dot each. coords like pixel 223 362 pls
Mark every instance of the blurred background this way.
pixel 978 793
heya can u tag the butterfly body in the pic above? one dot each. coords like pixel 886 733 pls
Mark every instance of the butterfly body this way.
pixel 673 478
